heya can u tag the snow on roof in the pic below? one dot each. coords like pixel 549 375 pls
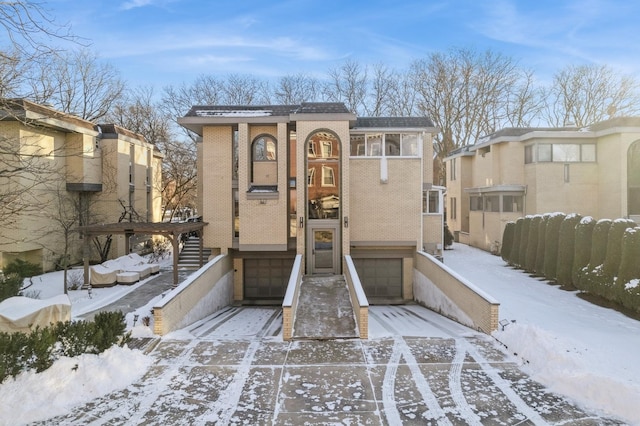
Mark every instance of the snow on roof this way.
pixel 234 113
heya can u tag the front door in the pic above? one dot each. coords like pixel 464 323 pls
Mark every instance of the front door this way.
pixel 324 250
pixel 323 238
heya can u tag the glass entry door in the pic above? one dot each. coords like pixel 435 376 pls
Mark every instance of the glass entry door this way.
pixel 324 250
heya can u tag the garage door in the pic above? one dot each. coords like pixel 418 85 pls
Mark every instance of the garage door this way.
pixel 266 278
pixel 380 277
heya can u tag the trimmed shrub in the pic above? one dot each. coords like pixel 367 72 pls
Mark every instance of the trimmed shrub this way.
pixel 524 241
pixel 40 348
pixel 507 241
pixel 540 252
pixel 10 286
pixel 23 268
pixel 515 246
pixel 582 252
pixel 627 286
pixel 532 246
pixel 566 249
pixel 611 263
pixel 591 275
pixel 552 236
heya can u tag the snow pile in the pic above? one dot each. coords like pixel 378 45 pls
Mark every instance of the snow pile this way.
pixel 69 382
pixel 560 365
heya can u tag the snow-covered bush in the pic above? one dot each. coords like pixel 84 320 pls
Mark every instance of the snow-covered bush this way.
pixel 627 284
pixel 566 249
pixel 524 241
pixel 582 252
pixel 540 251
pixel 532 244
pixel 552 237
pixel 515 246
pixel 614 246
pixel 507 241
pixel 591 276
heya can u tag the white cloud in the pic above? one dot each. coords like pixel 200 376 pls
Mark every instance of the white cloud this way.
pixel 132 4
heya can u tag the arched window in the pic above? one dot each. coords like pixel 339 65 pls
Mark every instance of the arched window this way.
pixel 633 179
pixel 264 149
pixel 264 167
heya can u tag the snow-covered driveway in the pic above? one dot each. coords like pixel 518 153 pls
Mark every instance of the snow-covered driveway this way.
pixel 417 367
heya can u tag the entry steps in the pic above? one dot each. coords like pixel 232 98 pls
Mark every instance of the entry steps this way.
pixel 324 309
pixel 189 257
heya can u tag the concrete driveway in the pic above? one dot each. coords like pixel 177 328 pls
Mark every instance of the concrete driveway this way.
pixel 417 368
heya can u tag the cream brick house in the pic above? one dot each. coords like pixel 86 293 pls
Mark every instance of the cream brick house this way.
pixel 314 180
pixel 76 168
pixel 514 172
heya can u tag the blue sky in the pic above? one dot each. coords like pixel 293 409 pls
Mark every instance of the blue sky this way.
pixel 162 42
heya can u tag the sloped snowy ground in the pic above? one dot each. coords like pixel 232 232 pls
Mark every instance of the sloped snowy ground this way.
pixel 587 352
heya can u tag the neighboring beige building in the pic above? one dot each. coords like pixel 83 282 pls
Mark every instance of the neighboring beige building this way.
pixel 74 168
pixel 313 179
pixel 514 172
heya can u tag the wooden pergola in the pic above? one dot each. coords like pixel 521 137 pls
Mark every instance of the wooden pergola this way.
pixel 168 229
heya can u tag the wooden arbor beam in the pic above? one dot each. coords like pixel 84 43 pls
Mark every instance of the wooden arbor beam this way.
pixel 170 230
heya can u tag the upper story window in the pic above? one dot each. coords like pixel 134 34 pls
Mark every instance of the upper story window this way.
pixel 264 168
pixel 384 144
pixel 431 202
pixel 452 170
pixel 264 149
pixel 560 153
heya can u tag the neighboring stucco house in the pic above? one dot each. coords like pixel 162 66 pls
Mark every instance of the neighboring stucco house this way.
pixel 592 171
pixel 313 179
pixel 96 173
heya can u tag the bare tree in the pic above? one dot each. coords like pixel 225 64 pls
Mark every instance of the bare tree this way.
pixel 140 113
pixel 179 177
pixel 25 163
pixel 403 98
pixel 293 89
pixel 469 94
pixel 30 28
pixel 381 87
pixel 584 94
pixel 12 71
pixel 348 84
pixel 77 83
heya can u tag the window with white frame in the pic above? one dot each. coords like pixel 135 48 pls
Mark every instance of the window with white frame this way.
pixel 326 149
pixel 311 177
pixel 431 202
pixel 384 144
pixel 328 179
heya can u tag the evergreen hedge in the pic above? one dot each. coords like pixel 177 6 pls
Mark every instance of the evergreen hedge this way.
pixel 39 349
pixel 582 252
pixel 507 241
pixel 611 263
pixel 524 241
pixel 532 245
pixel 551 237
pixel 591 274
pixel 566 249
pixel 540 252
pixel 627 286
pixel 515 246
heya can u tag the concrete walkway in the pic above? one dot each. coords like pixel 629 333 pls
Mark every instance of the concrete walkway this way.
pixel 324 310
pixel 143 294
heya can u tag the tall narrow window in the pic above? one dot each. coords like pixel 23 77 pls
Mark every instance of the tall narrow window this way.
pixel 264 165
